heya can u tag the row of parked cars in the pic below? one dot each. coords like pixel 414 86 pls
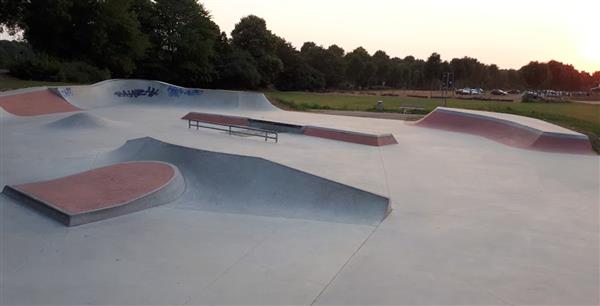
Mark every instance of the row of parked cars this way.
pixel 479 91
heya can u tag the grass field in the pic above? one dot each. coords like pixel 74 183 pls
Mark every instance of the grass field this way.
pixel 9 83
pixel 584 118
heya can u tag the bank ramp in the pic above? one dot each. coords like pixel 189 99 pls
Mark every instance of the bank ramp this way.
pixel 228 183
pixel 512 130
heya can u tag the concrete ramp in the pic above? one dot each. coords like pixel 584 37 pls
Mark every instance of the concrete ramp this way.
pixel 512 130
pixel 82 120
pixel 227 183
pixel 35 103
pixel 101 193
pixel 156 93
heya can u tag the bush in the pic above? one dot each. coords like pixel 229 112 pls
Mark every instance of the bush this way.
pixel 12 52
pixel 41 67
pixel 80 72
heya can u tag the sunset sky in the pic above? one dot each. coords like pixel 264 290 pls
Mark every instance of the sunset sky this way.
pixel 509 33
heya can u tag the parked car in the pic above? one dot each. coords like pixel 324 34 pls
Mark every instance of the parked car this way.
pixel 499 92
pixel 532 96
pixel 463 91
pixel 469 91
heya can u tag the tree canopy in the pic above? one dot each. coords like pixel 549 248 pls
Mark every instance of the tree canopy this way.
pixel 177 41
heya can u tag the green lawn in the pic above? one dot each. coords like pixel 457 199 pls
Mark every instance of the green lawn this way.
pixel 577 116
pixel 9 83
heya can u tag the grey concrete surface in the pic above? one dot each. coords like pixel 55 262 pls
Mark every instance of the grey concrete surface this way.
pixel 473 221
pixel 230 183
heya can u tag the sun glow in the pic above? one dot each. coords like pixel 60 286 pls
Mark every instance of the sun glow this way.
pixel 509 33
pixel 587 37
pixel 589 49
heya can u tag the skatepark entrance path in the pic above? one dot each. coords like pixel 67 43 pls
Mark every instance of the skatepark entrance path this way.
pixel 473 221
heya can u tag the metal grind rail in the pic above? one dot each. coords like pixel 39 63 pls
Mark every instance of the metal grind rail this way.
pixel 233 129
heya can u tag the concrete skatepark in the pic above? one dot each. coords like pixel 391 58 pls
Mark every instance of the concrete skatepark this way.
pixel 462 207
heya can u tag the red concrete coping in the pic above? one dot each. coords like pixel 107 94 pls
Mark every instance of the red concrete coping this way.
pixel 100 188
pixel 349 136
pixel 508 133
pixel 217 119
pixel 36 103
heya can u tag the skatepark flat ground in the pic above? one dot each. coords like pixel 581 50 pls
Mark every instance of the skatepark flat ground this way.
pixel 473 222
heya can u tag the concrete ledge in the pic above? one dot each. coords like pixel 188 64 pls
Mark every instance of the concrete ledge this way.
pixel 349 136
pixel 510 130
pixel 322 132
pixel 76 209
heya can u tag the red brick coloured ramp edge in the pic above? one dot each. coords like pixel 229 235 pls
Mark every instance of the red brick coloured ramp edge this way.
pixel 100 193
pixel 349 136
pixel 41 102
pixel 508 133
pixel 218 119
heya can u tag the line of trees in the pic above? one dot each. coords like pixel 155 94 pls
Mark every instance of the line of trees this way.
pixel 177 41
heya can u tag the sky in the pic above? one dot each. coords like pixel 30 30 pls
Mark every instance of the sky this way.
pixel 509 33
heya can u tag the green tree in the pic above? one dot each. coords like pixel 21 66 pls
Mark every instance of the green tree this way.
pixel 183 39
pixel 382 67
pixel 104 33
pixel 359 67
pixel 11 15
pixel 433 69
pixel 297 74
pixel 12 52
pixel 535 74
pixel 329 62
pixel 397 76
pixel 238 70
pixel 251 35
pixel 596 78
pixel 335 76
pixel 116 41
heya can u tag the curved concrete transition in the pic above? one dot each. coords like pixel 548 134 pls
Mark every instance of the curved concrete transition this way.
pixel 512 130
pixel 228 183
pixel 81 120
pixel 102 193
pixel 35 103
pixel 118 91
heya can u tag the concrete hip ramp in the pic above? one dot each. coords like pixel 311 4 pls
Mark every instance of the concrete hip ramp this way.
pixel 227 183
pixel 512 130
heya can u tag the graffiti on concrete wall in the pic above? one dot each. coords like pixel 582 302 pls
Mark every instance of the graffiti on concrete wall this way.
pixel 65 91
pixel 174 91
pixel 134 93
